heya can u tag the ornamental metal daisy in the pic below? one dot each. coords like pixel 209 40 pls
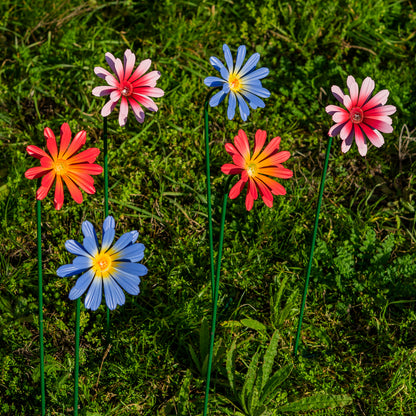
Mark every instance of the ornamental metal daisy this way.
pixel 239 82
pixel 64 166
pixel 114 268
pixel 365 117
pixel 128 87
pixel 254 168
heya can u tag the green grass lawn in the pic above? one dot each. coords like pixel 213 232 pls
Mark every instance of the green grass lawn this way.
pixel 358 342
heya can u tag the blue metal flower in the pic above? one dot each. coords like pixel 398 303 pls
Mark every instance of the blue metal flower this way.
pixel 115 267
pixel 239 82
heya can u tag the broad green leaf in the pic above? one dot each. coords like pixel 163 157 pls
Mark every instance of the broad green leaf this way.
pixel 269 357
pixel 204 338
pixel 253 400
pixel 194 357
pixel 250 379
pixel 317 402
pixel 184 393
pixel 271 388
pixel 254 324
pixel 230 365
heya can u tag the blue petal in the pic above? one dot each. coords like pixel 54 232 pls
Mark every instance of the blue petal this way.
pixel 231 106
pixel 250 64
pixel 75 248
pixel 217 98
pixel 94 295
pixel 113 294
pixel 228 57
pixel 69 270
pixel 133 253
pixel 81 284
pixel 109 223
pixel 88 230
pixel 131 270
pixel 129 284
pixel 125 240
pixel 213 82
pixel 91 245
pixel 241 54
pixel 258 74
pixel 257 90
pixel 244 110
pixel 82 262
pixel 219 66
pixel 253 100
pixel 108 237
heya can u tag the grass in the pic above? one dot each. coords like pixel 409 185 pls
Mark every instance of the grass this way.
pixel 359 334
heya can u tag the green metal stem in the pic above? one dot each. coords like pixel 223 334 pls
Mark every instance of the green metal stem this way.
pixel 315 231
pixel 76 374
pixel 208 173
pixel 41 352
pixel 106 201
pixel 216 290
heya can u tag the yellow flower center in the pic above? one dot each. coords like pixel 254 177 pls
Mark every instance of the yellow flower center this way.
pixel 252 169
pixel 60 166
pixel 234 82
pixel 102 263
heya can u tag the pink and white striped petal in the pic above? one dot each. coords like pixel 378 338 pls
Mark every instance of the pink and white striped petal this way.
pixel 140 70
pixel 379 99
pixel 337 93
pixel 129 61
pixel 124 111
pixel 373 135
pixel 367 88
pixel 353 89
pixel 108 108
pixel 360 140
pixel 102 91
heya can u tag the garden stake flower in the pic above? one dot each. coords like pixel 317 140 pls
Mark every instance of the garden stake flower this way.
pixel 253 170
pixel 128 87
pixel 239 82
pixel 110 267
pixel 64 166
pixel 365 116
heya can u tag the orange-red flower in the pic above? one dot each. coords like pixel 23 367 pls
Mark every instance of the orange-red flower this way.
pixel 64 166
pixel 254 168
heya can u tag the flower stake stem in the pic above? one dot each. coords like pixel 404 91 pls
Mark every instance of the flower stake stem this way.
pixel 41 352
pixel 315 230
pixel 216 287
pixel 76 375
pixel 208 173
pixel 106 201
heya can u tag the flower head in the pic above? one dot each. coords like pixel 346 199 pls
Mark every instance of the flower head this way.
pixel 115 267
pixel 254 168
pixel 64 166
pixel 365 115
pixel 128 87
pixel 239 82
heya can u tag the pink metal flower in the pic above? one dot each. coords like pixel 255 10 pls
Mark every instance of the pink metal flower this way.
pixel 132 88
pixel 365 117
